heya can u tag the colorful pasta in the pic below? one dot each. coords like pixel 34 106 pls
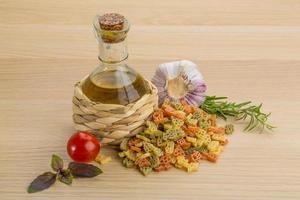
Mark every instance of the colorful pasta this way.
pixel 178 135
pixel 169 147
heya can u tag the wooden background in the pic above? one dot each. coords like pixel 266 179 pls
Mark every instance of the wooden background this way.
pixel 247 50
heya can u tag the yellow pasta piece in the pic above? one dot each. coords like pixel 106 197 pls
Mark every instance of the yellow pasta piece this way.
pixel 130 155
pixel 190 120
pixel 143 155
pixel 218 137
pixel 193 167
pixel 143 138
pixel 204 137
pixel 199 143
pixel 148 147
pixel 178 166
pixel 181 161
pixel 102 159
pixel 122 154
pixel 213 146
pixel 200 133
pixel 217 151
pixel 140 144
pixel 169 147
pixel 123 145
pixel 192 140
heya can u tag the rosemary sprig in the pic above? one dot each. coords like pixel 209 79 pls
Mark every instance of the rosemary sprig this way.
pixel 240 111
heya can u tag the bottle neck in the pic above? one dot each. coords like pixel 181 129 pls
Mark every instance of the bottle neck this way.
pixel 113 53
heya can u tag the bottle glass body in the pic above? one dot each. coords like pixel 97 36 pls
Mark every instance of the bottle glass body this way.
pixel 113 81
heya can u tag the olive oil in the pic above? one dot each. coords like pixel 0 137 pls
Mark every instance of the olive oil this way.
pixel 113 81
pixel 115 87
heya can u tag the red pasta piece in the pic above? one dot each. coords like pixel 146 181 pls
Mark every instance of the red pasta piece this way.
pixel 196 156
pixel 178 151
pixel 165 159
pixel 144 162
pixel 210 157
pixel 183 143
pixel 216 130
pixel 158 116
pixel 191 130
pixel 133 141
pixel 163 167
pixel 194 109
pixel 170 111
pixel 136 149
pixel 223 142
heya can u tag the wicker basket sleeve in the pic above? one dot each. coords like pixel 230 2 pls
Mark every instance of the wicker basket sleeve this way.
pixel 112 122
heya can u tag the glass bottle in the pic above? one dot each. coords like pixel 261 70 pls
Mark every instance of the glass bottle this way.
pixel 113 81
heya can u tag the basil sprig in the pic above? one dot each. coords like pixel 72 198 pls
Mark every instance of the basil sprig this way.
pixel 65 176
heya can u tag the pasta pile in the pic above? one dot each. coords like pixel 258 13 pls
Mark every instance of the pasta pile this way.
pixel 178 135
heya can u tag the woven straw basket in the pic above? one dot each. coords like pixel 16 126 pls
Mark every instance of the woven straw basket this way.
pixel 112 122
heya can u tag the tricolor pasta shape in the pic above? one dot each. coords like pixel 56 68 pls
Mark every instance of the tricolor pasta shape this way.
pixel 178 135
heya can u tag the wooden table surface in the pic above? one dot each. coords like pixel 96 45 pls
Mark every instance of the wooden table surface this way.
pixel 247 50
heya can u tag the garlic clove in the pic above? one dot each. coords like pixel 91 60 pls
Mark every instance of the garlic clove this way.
pixel 180 80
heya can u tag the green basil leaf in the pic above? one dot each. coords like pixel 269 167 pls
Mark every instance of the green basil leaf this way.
pixel 57 163
pixel 65 176
pixel 42 182
pixel 84 170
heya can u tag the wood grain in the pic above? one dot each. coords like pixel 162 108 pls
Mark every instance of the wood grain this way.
pixel 245 49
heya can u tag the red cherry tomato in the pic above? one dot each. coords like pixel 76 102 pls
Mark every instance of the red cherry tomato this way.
pixel 83 147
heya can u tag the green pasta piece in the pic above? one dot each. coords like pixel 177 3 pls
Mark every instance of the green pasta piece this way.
pixel 154 160
pixel 145 170
pixel 229 129
pixel 190 120
pixel 168 125
pixel 153 140
pixel 173 134
pixel 176 122
pixel 160 142
pixel 203 124
pixel 152 133
pixel 148 147
pixel 197 115
pixel 201 149
pixel 177 106
pixel 151 126
pixel 128 163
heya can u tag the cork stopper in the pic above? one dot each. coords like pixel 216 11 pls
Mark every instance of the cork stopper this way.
pixel 112 21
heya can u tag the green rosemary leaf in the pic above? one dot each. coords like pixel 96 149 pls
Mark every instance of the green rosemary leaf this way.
pixel 221 114
pixel 242 104
pixel 254 125
pixel 239 111
pixel 250 123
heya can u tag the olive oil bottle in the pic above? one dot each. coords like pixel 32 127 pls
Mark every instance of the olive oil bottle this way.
pixel 113 81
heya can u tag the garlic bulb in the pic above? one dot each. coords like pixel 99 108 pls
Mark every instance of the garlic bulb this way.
pixel 179 80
